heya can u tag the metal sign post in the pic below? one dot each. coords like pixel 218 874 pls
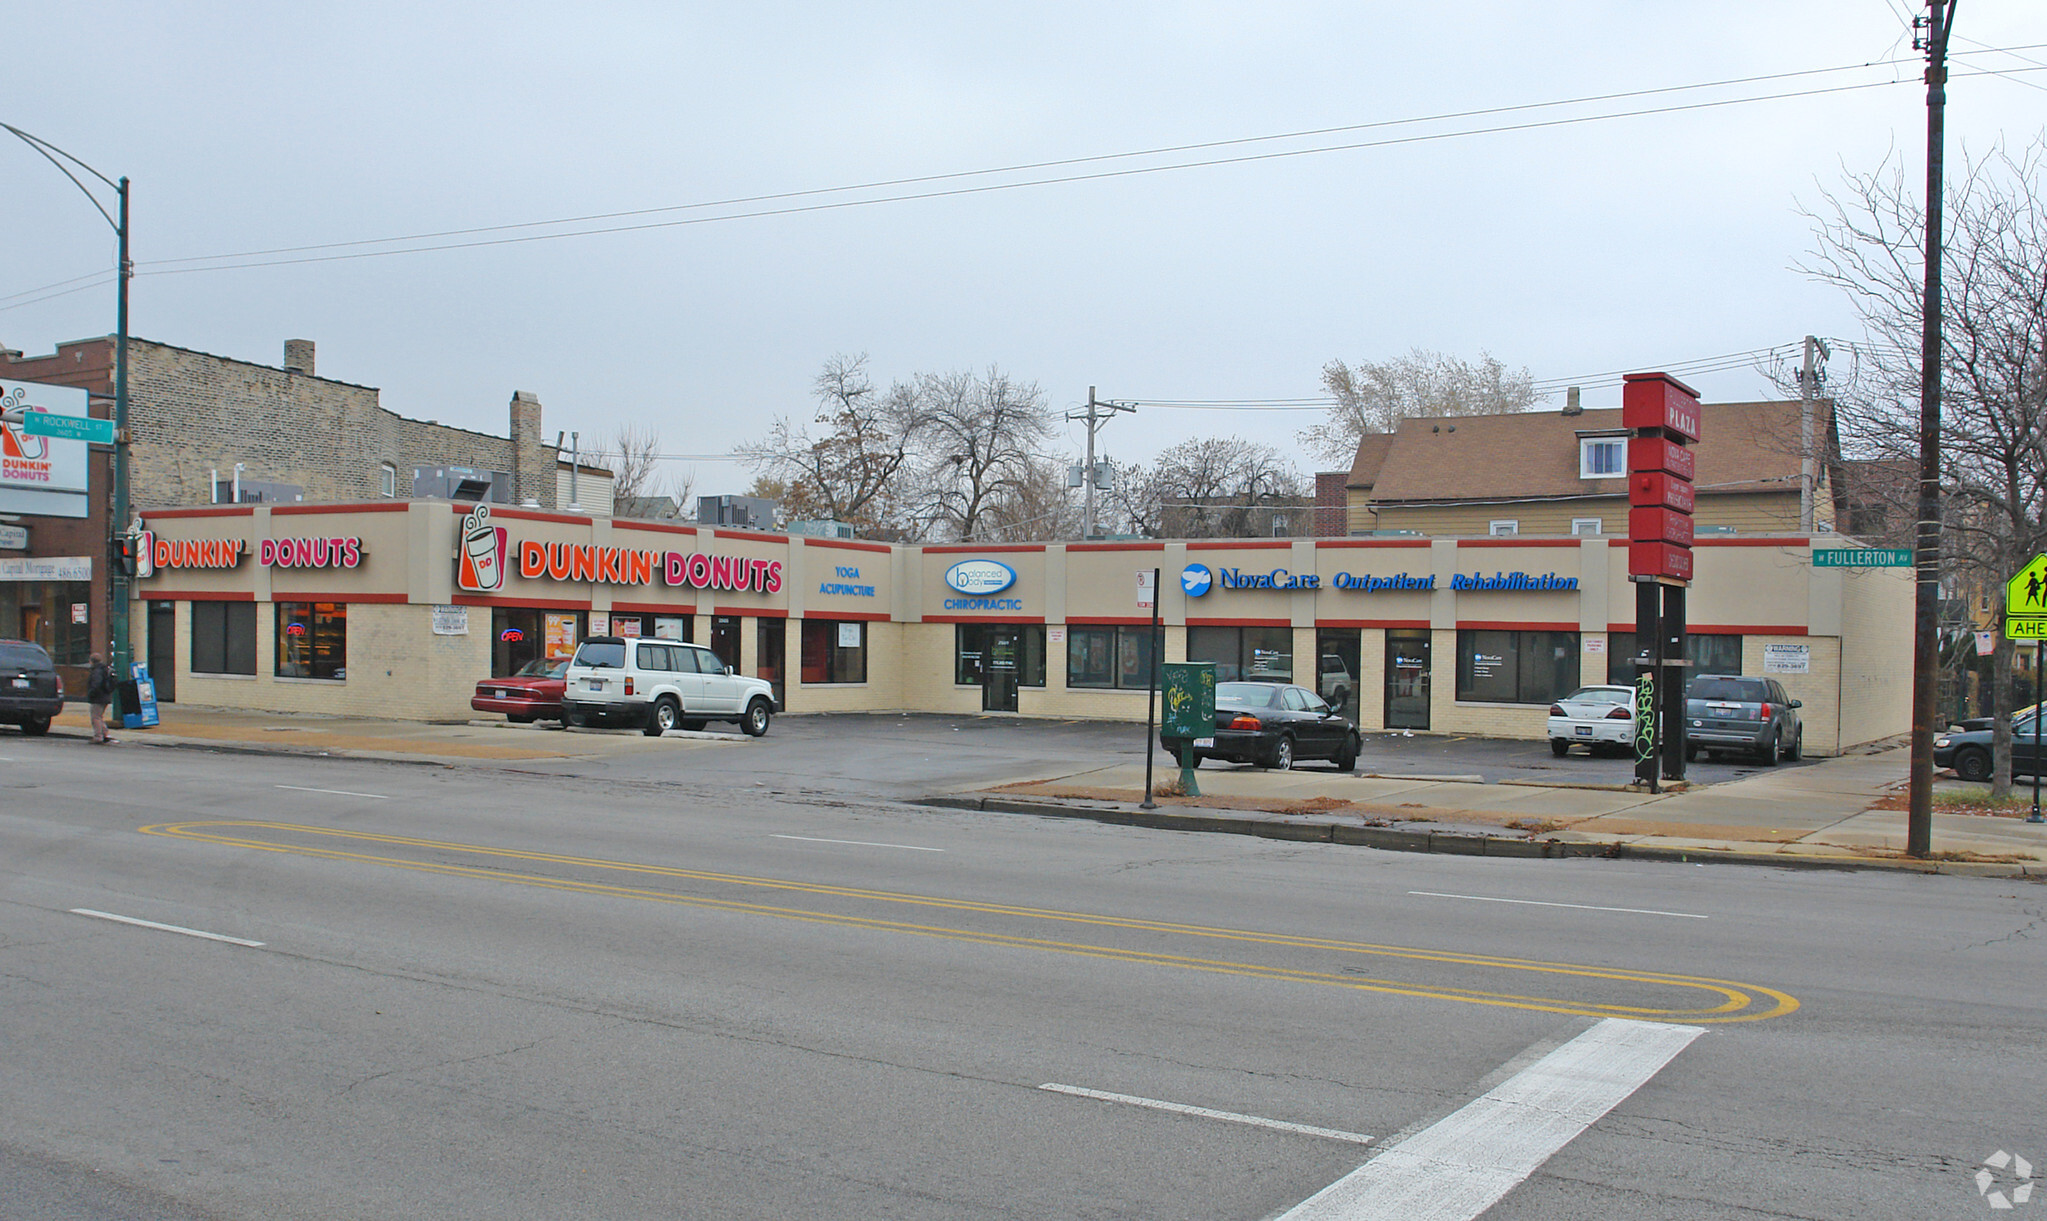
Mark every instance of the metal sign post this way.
pixel 1151 677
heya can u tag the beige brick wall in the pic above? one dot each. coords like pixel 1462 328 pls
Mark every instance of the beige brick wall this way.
pixel 1820 714
pixel 1876 661
pixel 397 667
pixel 883 690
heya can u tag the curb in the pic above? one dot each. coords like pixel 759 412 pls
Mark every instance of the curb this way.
pixel 1393 839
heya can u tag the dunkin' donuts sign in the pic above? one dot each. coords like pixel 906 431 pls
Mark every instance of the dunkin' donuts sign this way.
pixel 155 554
pixel 487 555
pixel 626 566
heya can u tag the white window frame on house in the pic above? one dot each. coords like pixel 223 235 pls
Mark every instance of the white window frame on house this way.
pixel 1504 526
pixel 1587 525
pixel 1614 468
pixel 387 479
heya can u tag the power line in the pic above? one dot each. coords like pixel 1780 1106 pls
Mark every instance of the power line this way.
pixel 1023 167
pixel 255 260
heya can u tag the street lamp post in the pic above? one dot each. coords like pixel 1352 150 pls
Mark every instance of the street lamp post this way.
pixel 118 586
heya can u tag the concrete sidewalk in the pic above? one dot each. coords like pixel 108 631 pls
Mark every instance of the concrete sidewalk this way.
pixel 1818 815
pixel 483 741
pixel 1821 814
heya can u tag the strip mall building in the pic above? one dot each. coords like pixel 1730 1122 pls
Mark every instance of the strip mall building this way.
pixel 398 608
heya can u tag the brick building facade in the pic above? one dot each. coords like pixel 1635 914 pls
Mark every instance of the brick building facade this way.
pixel 194 416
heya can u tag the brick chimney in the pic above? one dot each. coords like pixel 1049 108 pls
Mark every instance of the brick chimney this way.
pixel 533 460
pixel 298 356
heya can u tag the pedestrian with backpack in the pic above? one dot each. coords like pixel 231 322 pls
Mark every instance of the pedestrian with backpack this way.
pixel 99 692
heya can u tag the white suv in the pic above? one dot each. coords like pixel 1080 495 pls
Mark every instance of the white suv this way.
pixel 660 685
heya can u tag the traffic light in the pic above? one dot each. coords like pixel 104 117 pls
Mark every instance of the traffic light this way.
pixel 124 554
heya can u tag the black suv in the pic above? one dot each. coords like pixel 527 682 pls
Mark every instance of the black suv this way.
pixel 30 691
pixel 1726 712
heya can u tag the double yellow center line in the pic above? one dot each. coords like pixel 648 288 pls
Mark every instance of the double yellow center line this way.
pixel 1331 962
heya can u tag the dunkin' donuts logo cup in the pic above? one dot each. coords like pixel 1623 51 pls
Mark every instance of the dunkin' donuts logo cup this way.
pixel 483 552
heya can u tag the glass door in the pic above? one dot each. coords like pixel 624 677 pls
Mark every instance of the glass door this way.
pixel 773 636
pixel 1407 678
pixel 998 689
pixel 163 644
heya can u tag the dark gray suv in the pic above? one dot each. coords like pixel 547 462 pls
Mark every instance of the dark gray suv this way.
pixel 1726 712
pixel 30 691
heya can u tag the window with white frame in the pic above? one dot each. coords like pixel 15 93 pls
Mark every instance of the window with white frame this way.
pixel 1504 525
pixel 1602 457
pixel 387 480
pixel 1586 525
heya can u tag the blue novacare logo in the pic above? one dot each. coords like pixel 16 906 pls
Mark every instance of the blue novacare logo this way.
pixel 1195 580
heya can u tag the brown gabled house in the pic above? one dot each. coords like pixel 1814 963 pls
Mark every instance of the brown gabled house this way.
pixel 1564 473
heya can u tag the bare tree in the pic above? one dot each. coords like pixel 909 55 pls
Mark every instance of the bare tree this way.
pixel 1037 505
pixel 633 456
pixel 1135 499
pixel 1213 487
pixel 1993 363
pixel 844 465
pixel 977 448
pixel 1376 395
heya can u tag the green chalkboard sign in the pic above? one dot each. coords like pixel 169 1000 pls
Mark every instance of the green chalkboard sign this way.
pixel 1188 695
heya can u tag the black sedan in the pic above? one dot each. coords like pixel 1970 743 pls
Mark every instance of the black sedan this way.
pixel 1968 751
pixel 1272 725
pixel 30 691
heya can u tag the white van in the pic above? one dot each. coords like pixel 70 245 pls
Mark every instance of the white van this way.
pixel 660 685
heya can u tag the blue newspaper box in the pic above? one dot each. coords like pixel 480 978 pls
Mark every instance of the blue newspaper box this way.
pixel 140 712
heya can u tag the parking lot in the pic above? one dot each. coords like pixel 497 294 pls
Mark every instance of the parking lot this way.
pixel 905 754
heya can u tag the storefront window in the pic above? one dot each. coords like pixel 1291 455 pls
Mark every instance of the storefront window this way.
pixel 1109 657
pixel 312 640
pixel 54 614
pixel 1256 654
pixel 834 651
pixel 1012 648
pixel 223 637
pixel 1709 654
pixel 1501 667
pixel 517 638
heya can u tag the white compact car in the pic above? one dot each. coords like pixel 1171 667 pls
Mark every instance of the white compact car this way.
pixel 1602 718
pixel 660 685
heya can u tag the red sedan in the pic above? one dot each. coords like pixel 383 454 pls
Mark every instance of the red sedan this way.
pixel 532 694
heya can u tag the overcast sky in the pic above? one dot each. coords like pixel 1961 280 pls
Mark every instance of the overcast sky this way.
pixel 1574 250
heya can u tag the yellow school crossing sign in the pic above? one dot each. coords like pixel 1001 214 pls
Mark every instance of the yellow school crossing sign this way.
pixel 2025 602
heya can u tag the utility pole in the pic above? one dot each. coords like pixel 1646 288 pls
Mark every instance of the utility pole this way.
pixel 1098 413
pixel 1808 393
pixel 1937 23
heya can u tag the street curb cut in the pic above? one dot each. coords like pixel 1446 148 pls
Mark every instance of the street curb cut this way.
pixel 1447 843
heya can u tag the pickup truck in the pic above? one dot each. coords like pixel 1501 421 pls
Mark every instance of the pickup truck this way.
pixel 1728 713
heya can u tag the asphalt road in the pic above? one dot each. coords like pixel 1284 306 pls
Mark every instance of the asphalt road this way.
pixel 753 985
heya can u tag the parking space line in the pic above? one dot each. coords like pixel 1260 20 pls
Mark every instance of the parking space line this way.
pixel 165 928
pixel 334 792
pixel 857 843
pixel 1181 1108
pixel 1463 1164
pixel 1633 911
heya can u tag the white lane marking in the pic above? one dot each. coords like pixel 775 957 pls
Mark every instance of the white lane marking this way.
pixel 1633 911
pixel 334 792
pixel 167 928
pixel 857 843
pixel 1461 1165
pixel 1178 1108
